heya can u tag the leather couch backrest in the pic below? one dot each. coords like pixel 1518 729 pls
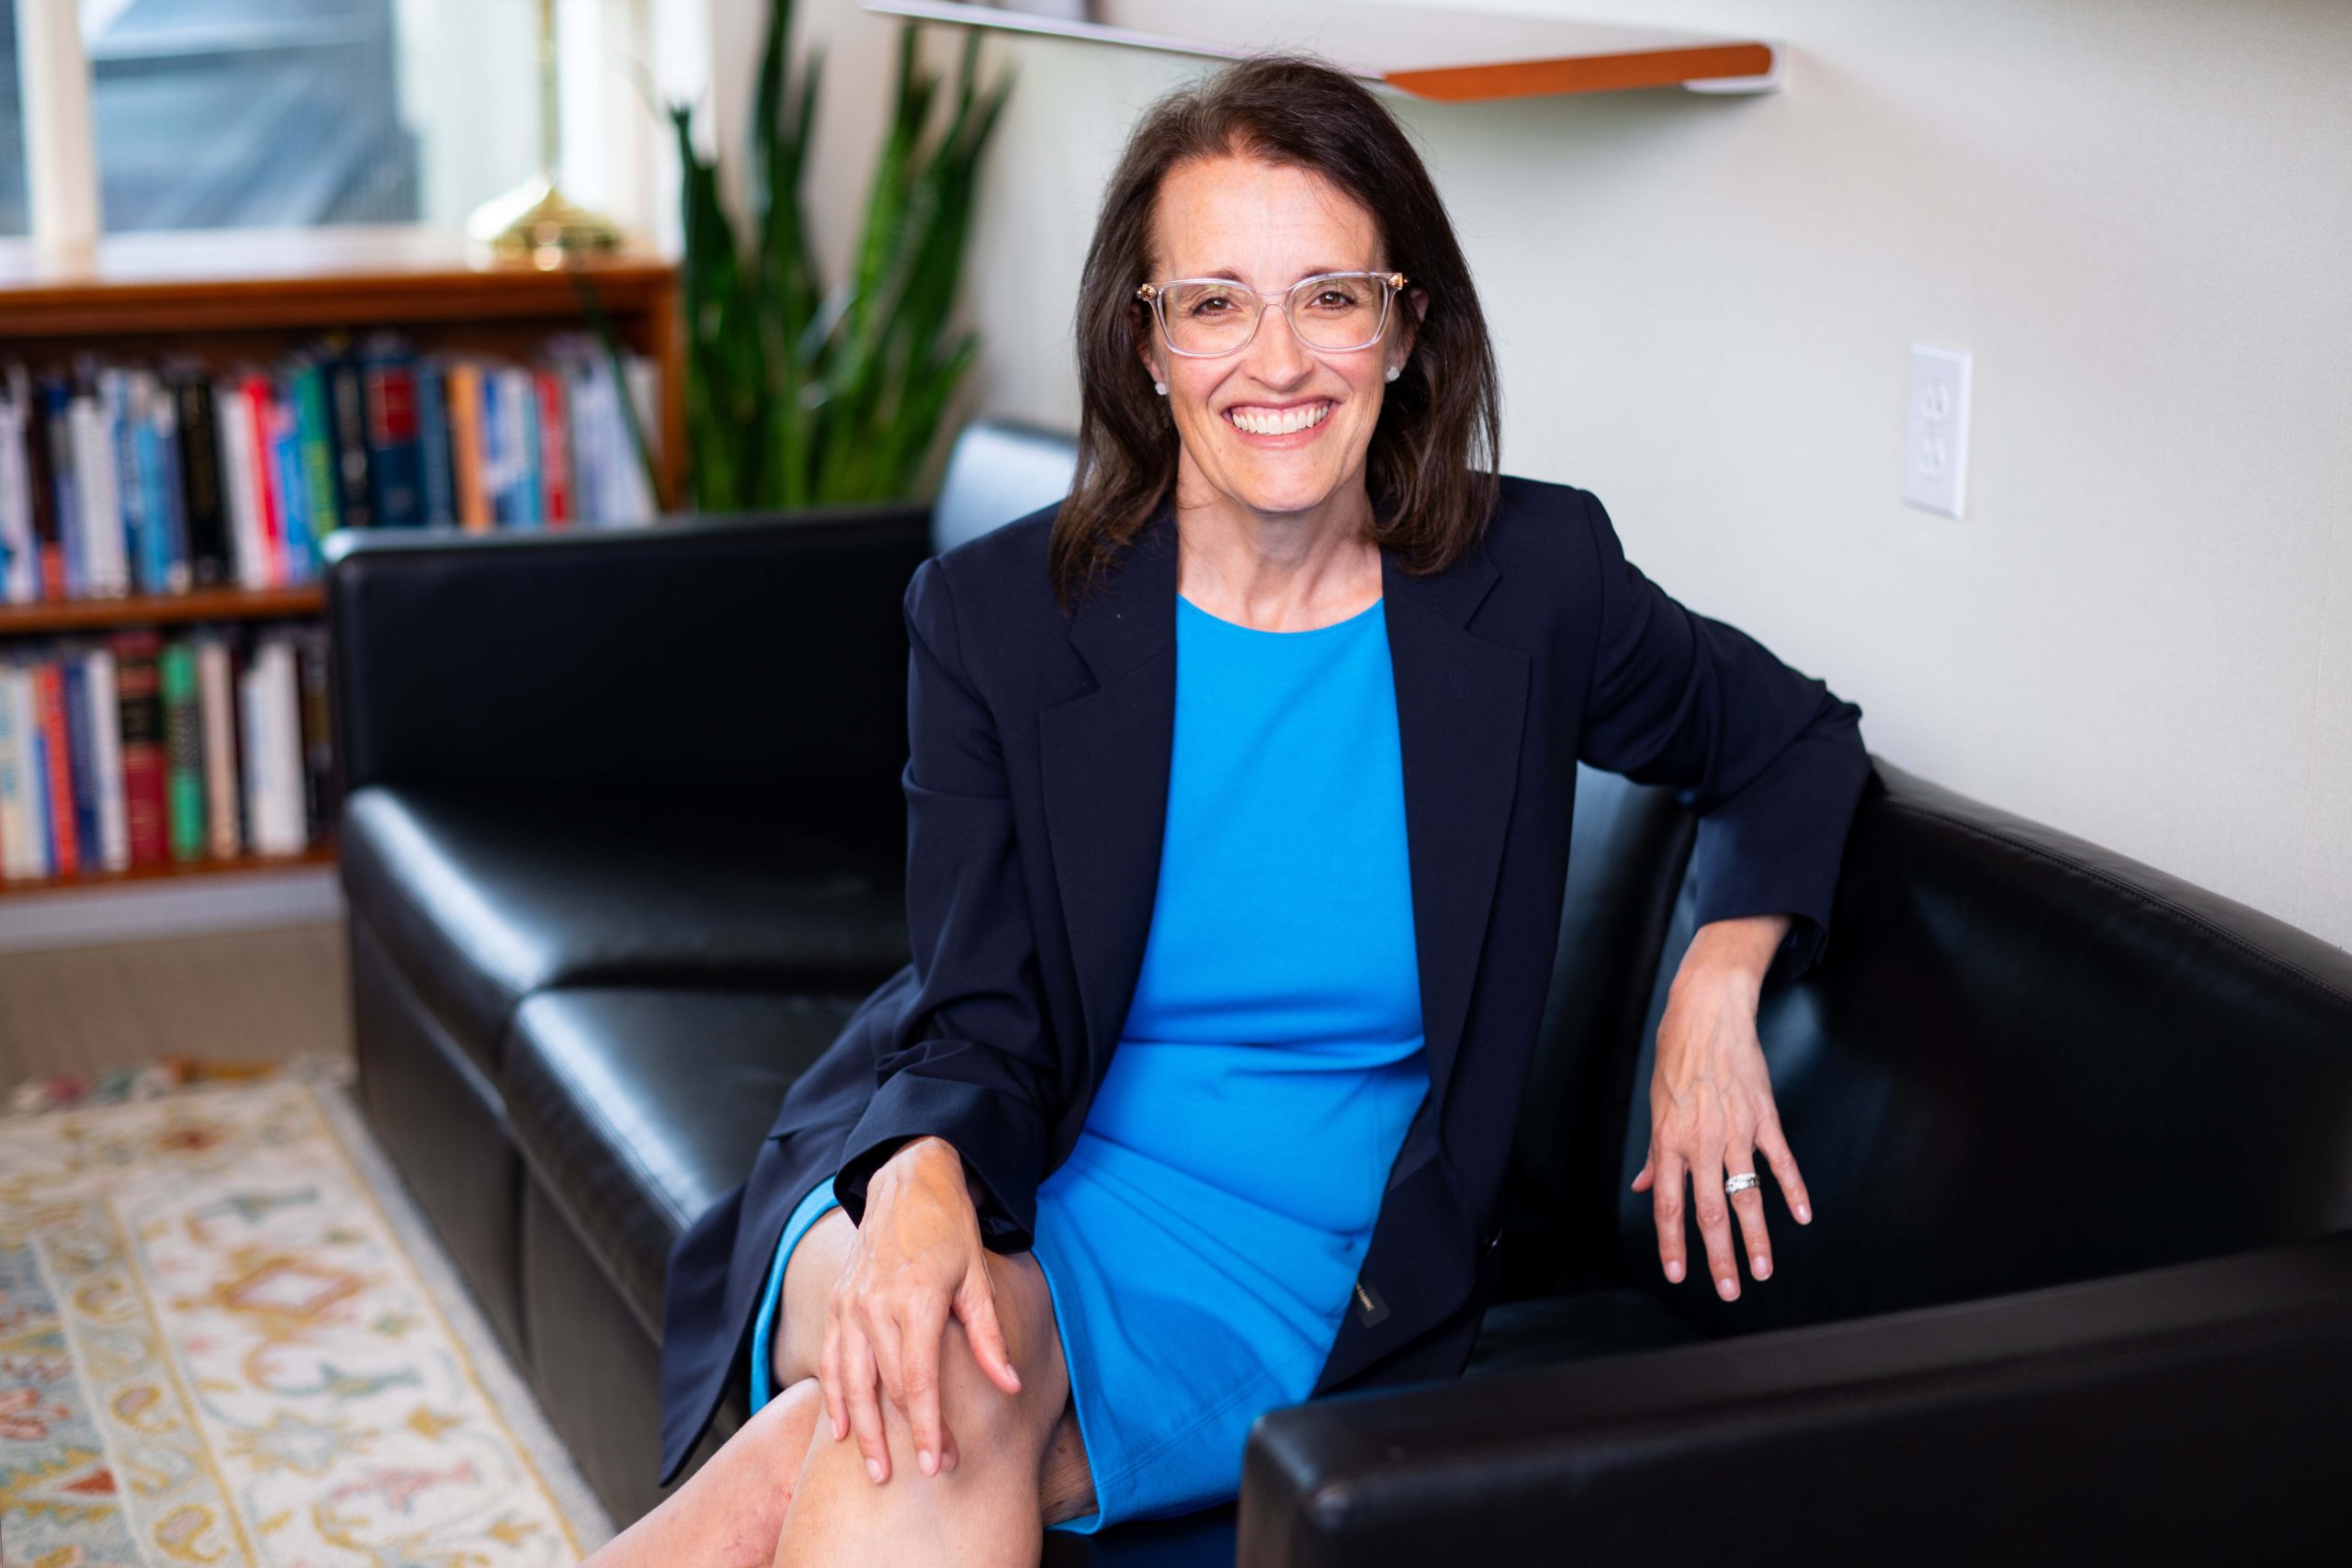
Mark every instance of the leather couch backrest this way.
pixel 2023 1060
pixel 1628 846
pixel 998 472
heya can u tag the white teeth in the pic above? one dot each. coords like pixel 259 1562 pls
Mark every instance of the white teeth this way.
pixel 1278 423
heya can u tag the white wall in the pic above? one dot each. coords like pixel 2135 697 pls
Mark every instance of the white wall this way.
pixel 2136 213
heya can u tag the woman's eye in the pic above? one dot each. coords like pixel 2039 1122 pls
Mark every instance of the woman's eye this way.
pixel 1210 306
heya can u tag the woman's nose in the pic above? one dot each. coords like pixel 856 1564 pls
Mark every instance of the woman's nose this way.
pixel 1277 355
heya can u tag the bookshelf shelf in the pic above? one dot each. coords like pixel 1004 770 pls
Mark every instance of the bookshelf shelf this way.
pixel 231 302
pixel 155 609
pixel 1423 52
pixel 321 852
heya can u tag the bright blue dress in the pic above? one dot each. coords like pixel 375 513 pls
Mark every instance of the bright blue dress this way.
pixel 1203 1238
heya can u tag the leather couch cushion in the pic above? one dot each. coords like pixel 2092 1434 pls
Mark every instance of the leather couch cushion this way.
pixel 637 1109
pixel 482 898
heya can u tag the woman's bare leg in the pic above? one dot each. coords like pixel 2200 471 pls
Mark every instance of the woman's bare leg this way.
pixel 990 1509
pixel 732 1510
pixel 726 1514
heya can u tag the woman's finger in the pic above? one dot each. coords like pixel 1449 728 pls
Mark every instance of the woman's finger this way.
pixel 1666 1208
pixel 1649 1163
pixel 829 1379
pixel 1749 1204
pixel 1774 1147
pixel 919 1343
pixel 864 1412
pixel 976 1305
pixel 1715 1218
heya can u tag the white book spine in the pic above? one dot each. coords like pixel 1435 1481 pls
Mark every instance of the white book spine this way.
pixel 103 562
pixel 106 753
pixel 16 493
pixel 218 710
pixel 252 568
pixel 286 762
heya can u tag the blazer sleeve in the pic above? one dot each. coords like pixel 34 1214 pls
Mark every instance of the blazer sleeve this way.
pixel 970 1057
pixel 1771 760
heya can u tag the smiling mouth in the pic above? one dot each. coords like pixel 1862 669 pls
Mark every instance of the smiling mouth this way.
pixel 1278 422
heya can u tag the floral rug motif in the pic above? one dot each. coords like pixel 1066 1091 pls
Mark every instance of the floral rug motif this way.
pixel 214 1351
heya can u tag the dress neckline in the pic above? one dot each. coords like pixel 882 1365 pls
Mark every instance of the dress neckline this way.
pixel 1216 620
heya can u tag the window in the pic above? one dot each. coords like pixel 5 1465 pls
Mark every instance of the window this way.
pixel 212 114
pixel 15 202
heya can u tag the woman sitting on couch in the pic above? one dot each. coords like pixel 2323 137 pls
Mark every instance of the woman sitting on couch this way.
pixel 1238 823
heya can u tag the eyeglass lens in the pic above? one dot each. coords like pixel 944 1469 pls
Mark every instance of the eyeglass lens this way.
pixel 1335 313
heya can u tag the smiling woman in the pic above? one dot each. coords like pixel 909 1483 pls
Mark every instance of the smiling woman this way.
pixel 1183 1110
pixel 1277 177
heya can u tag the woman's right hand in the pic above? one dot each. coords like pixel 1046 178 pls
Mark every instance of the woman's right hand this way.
pixel 917 1258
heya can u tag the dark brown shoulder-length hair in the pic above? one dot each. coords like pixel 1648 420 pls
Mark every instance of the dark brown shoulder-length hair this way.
pixel 1431 469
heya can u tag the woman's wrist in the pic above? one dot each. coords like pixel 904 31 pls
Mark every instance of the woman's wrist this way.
pixel 922 1161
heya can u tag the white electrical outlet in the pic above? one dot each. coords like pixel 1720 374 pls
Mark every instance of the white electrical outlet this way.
pixel 1935 431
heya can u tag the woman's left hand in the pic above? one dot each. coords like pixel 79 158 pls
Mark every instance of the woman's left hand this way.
pixel 1711 1101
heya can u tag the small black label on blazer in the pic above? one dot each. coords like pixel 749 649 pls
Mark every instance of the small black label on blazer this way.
pixel 1369 1306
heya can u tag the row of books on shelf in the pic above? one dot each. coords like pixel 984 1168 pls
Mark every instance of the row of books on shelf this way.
pixel 155 479
pixel 134 748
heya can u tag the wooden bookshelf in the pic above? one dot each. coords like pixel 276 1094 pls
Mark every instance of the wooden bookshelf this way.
pixel 254 292
pixel 162 609
pixel 225 296
pixel 320 853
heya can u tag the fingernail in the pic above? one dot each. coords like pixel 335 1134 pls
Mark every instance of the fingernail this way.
pixel 930 1463
pixel 1804 1213
pixel 1729 1286
pixel 874 1468
pixel 1674 1270
pixel 1762 1265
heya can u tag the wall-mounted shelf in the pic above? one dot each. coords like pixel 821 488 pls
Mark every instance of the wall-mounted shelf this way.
pixel 1451 56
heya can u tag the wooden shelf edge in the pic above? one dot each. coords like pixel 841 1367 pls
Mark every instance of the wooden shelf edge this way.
pixel 1692 60
pixel 150 876
pixel 1719 65
pixel 50 616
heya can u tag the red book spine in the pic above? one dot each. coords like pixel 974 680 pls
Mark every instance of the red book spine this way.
pixel 48 689
pixel 555 448
pixel 139 691
pixel 273 526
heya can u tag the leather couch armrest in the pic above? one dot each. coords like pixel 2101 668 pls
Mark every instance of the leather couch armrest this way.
pixel 743 653
pixel 2200 1412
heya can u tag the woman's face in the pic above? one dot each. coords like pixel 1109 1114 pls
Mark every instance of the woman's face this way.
pixel 1268 226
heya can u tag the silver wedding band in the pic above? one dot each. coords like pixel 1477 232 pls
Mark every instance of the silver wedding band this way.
pixel 1740 1183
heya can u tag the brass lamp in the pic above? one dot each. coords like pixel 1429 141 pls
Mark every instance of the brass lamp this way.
pixel 536 222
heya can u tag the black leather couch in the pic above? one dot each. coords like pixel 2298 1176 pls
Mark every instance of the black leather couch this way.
pixel 622 848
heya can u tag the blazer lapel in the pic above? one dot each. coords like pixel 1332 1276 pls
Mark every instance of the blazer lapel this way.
pixel 1461 702
pixel 1104 760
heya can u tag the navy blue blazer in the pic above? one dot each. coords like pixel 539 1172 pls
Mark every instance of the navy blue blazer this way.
pixel 1036 794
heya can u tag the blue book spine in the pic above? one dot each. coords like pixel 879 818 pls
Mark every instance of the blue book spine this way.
pixel 60 398
pixel 181 568
pixel 534 494
pixel 285 459
pixel 38 750
pixel 395 464
pixel 155 509
pixel 114 407
pixel 433 438
pixel 493 450
pixel 81 760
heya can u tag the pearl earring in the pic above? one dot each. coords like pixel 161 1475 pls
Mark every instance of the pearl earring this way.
pixel 1395 371
pixel 1161 387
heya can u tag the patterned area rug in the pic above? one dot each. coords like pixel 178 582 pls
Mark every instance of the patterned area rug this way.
pixel 225 1339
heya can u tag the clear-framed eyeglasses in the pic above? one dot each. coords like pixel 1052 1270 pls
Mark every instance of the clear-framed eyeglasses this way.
pixel 1206 318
